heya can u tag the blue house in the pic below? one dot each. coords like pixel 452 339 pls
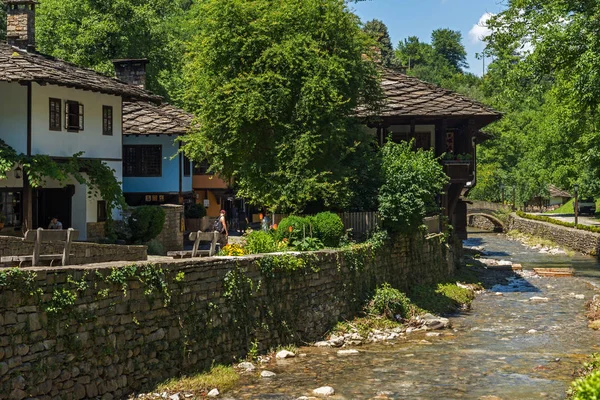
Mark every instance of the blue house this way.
pixel 154 171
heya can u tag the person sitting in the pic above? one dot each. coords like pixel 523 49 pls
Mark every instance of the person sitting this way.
pixel 55 224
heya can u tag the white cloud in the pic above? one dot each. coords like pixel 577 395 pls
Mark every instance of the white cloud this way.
pixel 480 30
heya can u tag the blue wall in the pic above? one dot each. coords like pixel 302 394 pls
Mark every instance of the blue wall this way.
pixel 169 182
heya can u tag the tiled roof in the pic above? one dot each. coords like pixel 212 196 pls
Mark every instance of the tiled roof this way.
pixel 143 118
pixel 556 192
pixel 407 96
pixel 18 65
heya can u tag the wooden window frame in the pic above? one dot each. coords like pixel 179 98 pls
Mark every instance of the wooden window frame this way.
pixel 69 104
pixel 139 164
pixel 107 120
pixel 101 211
pixel 57 114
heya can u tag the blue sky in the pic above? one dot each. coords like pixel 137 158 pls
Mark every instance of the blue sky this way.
pixel 420 17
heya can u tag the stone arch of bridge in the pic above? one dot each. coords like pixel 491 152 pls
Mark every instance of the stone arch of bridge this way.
pixel 498 225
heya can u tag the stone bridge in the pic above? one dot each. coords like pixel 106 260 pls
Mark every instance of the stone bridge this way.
pixel 483 214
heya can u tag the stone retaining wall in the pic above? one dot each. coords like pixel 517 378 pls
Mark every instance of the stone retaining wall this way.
pixel 83 252
pixel 575 239
pixel 107 331
pixel 477 221
pixel 171 236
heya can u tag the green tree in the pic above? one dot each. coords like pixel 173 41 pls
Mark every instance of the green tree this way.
pixel 448 44
pixel 411 182
pixel 91 33
pixel 275 86
pixel 379 31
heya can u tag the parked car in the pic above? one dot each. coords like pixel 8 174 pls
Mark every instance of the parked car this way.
pixel 586 206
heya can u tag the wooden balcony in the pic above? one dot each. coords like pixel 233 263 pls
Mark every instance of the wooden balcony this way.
pixel 458 171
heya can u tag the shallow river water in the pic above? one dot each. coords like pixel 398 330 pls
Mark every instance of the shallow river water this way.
pixel 492 350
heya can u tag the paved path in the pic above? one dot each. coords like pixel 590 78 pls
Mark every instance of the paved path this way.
pixel 582 219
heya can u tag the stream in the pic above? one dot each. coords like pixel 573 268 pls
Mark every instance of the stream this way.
pixel 507 347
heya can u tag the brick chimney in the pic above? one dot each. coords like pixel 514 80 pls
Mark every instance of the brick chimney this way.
pixel 20 23
pixel 131 71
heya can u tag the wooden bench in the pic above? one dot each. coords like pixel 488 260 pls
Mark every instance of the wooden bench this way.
pixel 198 237
pixel 40 236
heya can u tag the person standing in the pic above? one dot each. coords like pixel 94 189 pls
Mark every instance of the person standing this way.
pixel 221 227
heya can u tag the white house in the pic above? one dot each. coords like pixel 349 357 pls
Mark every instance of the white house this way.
pixel 154 170
pixel 51 107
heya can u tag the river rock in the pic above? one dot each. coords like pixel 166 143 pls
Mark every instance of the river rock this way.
pixel 538 298
pixel 267 374
pixel 347 352
pixel 213 393
pixel 531 331
pixel 284 354
pixel 246 366
pixel 580 296
pixel 322 344
pixel 336 341
pixel 434 323
pixel 433 334
pixel 175 396
pixel 324 391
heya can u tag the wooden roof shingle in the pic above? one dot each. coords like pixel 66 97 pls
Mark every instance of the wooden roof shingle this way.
pixel 17 65
pixel 407 96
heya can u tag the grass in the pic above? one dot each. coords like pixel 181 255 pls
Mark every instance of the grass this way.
pixel 443 298
pixel 364 325
pixel 566 208
pixel 220 377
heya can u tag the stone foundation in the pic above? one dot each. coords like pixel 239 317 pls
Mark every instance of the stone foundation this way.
pixel 582 241
pixel 96 230
pixel 109 330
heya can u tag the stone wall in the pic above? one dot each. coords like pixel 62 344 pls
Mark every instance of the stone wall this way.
pixel 83 252
pixel 96 230
pixel 575 239
pixel 171 236
pixel 107 331
pixel 477 221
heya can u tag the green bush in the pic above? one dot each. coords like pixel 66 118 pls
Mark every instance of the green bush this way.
pixel 195 211
pixel 308 244
pixel 411 182
pixel 587 388
pixel 259 242
pixel 301 226
pixel 329 228
pixel 389 302
pixel 146 223
pixel 156 248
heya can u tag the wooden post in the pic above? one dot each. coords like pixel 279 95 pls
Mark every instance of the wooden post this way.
pixel 27 204
pixel 196 244
pixel 35 260
pixel 67 251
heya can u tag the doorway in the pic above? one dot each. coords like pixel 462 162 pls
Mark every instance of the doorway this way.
pixel 53 203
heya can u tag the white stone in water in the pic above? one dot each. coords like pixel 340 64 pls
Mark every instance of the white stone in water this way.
pixel 531 331
pixel 174 396
pixel 538 298
pixel 392 336
pixel 284 354
pixel 347 352
pixel 322 344
pixel 324 391
pixel 580 296
pixel 247 366
pixel 433 334
pixel 499 294
pixel 267 374
pixel 213 393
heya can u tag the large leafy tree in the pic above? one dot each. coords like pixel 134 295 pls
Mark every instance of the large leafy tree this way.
pixel 91 33
pixel 275 86
pixel 379 31
pixel 448 44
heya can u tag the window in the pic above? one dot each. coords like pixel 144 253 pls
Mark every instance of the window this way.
pixel 107 120
pixel 101 211
pixel 187 170
pixel 55 115
pixel 11 207
pixel 73 116
pixel 142 160
pixel 202 168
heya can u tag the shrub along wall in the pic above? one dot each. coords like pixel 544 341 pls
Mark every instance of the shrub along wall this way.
pixel 109 330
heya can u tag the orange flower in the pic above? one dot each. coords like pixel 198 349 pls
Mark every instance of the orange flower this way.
pixel 275 226
pixel 290 229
